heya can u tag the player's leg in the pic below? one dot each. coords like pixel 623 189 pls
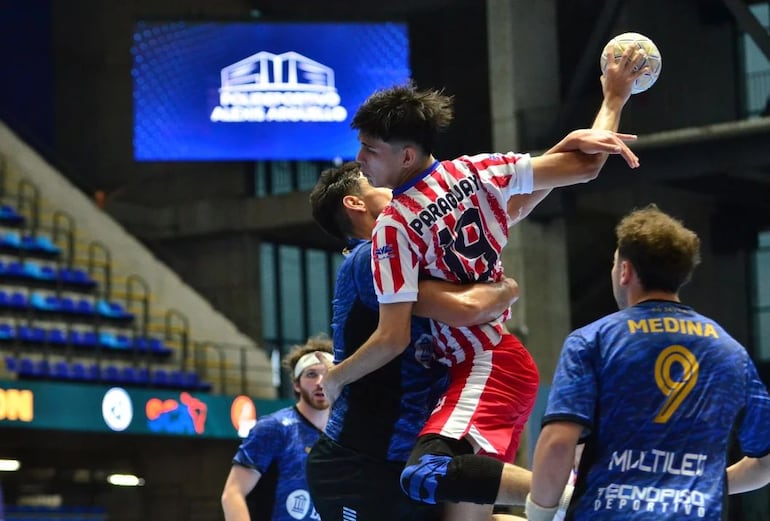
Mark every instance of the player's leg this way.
pixel 514 485
pixel 467 512
pixel 345 484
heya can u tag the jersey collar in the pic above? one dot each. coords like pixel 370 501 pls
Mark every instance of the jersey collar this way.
pixel 409 184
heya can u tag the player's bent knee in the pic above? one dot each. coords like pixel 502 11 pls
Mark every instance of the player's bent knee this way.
pixel 467 478
pixel 420 480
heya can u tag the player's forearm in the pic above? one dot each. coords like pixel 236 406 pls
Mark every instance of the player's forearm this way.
pixel 550 472
pixel 608 117
pixel 465 305
pixel 381 348
pixel 552 462
pixel 234 508
pixel 748 474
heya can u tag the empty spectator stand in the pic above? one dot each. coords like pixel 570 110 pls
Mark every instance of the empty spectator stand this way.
pixel 62 316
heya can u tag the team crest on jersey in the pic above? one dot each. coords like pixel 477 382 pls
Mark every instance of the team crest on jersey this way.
pixel 425 350
pixel 298 504
pixel 384 253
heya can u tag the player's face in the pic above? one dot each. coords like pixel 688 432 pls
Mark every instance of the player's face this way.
pixel 375 199
pixel 621 297
pixel 381 162
pixel 309 387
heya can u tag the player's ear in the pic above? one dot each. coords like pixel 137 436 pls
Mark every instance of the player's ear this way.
pixel 411 155
pixel 353 202
pixel 627 272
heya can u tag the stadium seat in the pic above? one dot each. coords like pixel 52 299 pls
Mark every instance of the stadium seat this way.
pixel 61 370
pixel 9 216
pixel 160 378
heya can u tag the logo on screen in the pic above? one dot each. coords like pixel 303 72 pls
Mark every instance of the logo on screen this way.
pixel 286 87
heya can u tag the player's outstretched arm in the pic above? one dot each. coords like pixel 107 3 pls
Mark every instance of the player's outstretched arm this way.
pixel 748 474
pixel 580 156
pixel 389 340
pixel 465 305
pixel 617 82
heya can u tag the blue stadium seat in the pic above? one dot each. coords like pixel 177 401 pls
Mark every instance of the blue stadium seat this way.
pixel 80 372
pixel 56 336
pixel 110 373
pixel 61 370
pixel 113 341
pixel 113 310
pixel 11 364
pixel 33 335
pixel 76 277
pixel 84 307
pixel 7 332
pixel 67 305
pixel 160 378
pixel 26 367
pixel 44 302
pixel 42 368
pixel 158 348
pixel 18 301
pixel 10 217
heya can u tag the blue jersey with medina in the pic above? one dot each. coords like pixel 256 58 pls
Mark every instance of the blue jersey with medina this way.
pixel 659 390
pixel 277 447
pixel 381 414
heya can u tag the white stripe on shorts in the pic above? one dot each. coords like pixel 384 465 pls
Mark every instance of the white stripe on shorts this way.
pixel 462 414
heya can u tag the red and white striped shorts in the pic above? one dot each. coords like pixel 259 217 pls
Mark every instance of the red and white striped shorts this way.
pixel 489 400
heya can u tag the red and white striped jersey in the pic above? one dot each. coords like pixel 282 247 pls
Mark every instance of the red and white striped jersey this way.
pixel 450 223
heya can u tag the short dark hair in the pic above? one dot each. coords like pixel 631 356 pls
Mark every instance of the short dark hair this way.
pixel 326 198
pixel 662 251
pixel 403 113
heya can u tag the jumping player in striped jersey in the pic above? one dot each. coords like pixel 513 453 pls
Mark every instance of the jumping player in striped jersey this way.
pixel 354 469
pixel 655 391
pixel 448 220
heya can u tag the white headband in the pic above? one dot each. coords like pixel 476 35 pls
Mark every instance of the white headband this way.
pixel 310 359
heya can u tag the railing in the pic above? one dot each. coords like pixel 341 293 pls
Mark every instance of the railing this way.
pixel 28 201
pixel 233 369
pixel 63 229
pixel 100 258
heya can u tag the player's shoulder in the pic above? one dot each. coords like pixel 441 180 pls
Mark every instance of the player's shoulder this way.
pixel 361 251
pixel 282 417
pixel 485 160
pixel 599 327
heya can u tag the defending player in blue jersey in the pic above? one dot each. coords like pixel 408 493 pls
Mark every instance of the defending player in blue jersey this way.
pixel 654 390
pixel 267 479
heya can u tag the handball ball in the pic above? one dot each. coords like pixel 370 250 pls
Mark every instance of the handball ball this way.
pixel 653 60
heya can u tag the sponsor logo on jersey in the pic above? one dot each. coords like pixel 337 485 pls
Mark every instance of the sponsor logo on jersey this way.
pixel 384 253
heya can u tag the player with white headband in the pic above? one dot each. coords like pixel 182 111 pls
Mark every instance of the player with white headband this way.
pixel 271 460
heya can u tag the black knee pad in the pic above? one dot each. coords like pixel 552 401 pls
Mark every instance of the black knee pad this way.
pixel 439 475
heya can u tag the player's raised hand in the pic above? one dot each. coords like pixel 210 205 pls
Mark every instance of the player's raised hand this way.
pixel 329 384
pixel 621 74
pixel 592 141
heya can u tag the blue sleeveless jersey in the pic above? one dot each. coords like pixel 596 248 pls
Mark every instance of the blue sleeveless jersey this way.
pixel 659 389
pixel 381 414
pixel 277 447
